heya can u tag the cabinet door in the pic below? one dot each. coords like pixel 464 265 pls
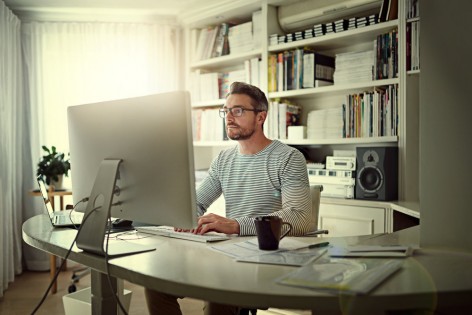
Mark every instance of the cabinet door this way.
pixel 343 220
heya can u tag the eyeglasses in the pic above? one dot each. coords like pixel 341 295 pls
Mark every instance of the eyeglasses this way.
pixel 236 111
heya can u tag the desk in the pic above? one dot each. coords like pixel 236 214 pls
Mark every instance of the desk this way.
pixel 429 280
pixel 53 193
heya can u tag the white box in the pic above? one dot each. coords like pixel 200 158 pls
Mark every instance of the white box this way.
pixel 80 302
pixel 296 132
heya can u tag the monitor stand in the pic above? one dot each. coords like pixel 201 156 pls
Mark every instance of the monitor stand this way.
pixel 92 233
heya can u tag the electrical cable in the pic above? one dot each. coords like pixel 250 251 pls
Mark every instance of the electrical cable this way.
pixel 117 300
pixel 62 264
pixel 73 209
pixel 107 266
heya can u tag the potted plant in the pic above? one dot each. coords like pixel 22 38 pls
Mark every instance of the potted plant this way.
pixel 52 166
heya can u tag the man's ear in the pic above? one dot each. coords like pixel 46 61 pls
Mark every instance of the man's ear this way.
pixel 262 116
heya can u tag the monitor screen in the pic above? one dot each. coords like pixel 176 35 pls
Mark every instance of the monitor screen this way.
pixel 152 138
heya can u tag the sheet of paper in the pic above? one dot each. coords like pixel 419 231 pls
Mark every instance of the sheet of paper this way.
pixel 297 257
pixel 250 247
pixel 371 251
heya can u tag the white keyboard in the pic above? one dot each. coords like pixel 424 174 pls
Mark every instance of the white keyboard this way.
pixel 168 231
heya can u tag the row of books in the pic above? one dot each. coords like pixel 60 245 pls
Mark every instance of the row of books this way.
pixel 220 40
pixel 386 58
pixel 207 125
pixel 299 68
pixel 325 28
pixel 412 8
pixel 369 114
pixel 413 46
pixel 215 85
pixel 281 115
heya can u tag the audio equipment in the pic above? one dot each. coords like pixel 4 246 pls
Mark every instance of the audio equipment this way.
pixel 336 183
pixel 341 163
pixel 377 175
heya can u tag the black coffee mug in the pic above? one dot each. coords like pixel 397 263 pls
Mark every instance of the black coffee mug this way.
pixel 269 231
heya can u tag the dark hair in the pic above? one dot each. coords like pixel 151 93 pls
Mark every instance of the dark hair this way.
pixel 258 98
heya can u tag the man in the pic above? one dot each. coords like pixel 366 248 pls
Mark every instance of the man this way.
pixel 257 177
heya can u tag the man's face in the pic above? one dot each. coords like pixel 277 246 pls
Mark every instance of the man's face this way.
pixel 243 127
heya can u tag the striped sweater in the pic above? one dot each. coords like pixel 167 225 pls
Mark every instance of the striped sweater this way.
pixel 273 181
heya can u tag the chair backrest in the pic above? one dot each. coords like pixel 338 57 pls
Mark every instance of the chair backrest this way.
pixel 315 191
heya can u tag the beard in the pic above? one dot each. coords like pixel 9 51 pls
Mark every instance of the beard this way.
pixel 239 133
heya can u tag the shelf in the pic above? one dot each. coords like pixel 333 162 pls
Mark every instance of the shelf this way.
pixel 227 143
pixel 415 19
pixel 319 142
pixel 209 103
pixel 413 72
pixel 338 40
pixel 226 61
pixel 310 142
pixel 332 89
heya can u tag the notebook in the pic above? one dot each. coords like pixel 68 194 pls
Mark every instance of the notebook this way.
pixel 59 218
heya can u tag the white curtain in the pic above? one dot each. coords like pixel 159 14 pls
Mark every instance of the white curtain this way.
pixel 11 152
pixel 77 63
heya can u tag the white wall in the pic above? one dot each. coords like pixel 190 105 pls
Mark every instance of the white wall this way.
pixel 446 124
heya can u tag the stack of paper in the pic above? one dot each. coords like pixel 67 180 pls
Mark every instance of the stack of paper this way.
pixel 354 67
pixel 325 123
pixel 350 276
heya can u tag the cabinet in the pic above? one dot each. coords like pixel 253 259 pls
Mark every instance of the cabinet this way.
pixel 342 219
pixel 352 40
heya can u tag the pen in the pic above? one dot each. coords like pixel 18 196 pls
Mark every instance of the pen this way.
pixel 317 232
pixel 323 244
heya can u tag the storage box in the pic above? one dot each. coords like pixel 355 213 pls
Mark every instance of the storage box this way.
pixel 80 302
pixel 296 132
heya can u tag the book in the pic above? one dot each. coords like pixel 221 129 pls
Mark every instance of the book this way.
pixel 392 11
pixel 338 275
pixel 316 67
pixel 280 72
pixel 383 11
pixel 272 73
pixel 371 251
pixel 220 40
pixel 297 257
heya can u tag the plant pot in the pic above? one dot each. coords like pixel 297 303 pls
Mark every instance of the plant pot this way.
pixel 57 184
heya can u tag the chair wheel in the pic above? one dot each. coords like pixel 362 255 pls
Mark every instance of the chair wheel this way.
pixel 72 288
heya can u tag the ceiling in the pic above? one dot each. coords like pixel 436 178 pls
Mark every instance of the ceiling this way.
pixel 63 10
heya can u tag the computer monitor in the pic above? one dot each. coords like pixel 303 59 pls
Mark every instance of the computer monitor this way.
pixel 134 157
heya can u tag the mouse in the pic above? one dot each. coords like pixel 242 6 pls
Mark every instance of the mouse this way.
pixel 122 223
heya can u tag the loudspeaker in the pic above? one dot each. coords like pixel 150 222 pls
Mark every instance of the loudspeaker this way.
pixel 377 173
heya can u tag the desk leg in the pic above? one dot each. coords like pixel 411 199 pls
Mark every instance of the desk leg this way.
pixel 102 296
pixel 52 272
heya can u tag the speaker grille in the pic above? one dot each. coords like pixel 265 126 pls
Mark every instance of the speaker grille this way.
pixel 370 178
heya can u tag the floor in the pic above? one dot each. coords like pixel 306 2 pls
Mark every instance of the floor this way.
pixel 26 291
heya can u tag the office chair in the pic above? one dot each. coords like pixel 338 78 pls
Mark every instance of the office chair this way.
pixel 76 276
pixel 315 192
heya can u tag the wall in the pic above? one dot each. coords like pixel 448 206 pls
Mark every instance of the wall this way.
pixel 445 124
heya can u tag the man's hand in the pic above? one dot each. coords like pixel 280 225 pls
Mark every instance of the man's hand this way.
pixel 213 222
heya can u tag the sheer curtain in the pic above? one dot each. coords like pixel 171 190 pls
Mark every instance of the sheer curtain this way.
pixel 11 152
pixel 76 63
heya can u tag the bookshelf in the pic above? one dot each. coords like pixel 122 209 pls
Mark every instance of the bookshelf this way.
pixel 351 40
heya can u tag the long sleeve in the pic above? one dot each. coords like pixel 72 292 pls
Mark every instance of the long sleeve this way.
pixel 295 199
